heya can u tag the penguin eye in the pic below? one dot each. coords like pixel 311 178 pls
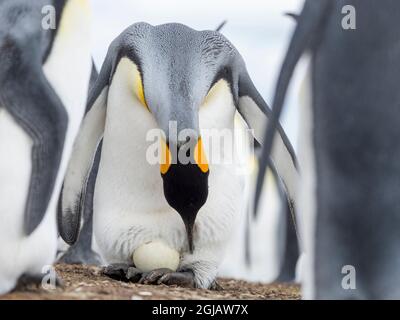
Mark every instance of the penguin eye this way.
pixel 138 89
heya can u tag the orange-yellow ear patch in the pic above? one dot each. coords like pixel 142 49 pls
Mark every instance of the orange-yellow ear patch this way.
pixel 138 87
pixel 165 161
pixel 200 156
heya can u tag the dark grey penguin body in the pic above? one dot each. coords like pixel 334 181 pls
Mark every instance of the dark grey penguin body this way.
pixel 351 177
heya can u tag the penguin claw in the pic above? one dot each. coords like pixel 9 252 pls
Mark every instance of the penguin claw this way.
pixel 77 256
pixel 133 274
pixel 117 271
pixel 181 279
pixel 125 272
pixel 153 276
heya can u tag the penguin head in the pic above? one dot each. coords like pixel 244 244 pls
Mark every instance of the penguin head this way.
pixel 177 68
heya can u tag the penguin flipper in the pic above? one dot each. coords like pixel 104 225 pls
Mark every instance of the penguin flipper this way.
pixel 81 252
pixel 309 22
pixel 288 240
pixel 290 249
pixel 32 102
pixel 79 167
pixel 73 195
pixel 257 115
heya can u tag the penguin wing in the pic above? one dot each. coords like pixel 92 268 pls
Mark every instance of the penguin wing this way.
pixel 73 193
pixel 283 164
pixel 32 102
pixel 257 115
pixel 309 22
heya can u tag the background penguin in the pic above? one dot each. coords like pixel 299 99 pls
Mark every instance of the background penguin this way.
pixel 349 156
pixel 44 76
pixel 152 76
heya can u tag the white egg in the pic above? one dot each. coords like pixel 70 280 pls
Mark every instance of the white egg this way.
pixel 155 255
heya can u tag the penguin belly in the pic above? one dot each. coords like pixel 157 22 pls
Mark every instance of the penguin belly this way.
pixel 129 223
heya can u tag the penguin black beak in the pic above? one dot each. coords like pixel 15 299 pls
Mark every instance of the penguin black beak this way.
pixel 186 186
pixel 188 220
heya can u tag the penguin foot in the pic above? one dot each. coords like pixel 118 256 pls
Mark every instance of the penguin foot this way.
pixel 181 279
pixel 169 278
pixel 76 255
pixel 134 274
pixel 117 271
pixel 153 276
pixel 27 280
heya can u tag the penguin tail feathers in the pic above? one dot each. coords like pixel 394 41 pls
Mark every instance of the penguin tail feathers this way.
pixel 221 26
pixel 74 193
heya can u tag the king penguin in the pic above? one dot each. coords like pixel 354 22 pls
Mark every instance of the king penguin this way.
pixel 44 77
pixel 154 76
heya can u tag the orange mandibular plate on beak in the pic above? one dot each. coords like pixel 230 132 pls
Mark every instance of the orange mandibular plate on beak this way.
pixel 165 158
pixel 200 156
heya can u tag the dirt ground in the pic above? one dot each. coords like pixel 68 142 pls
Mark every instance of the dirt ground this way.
pixel 86 282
